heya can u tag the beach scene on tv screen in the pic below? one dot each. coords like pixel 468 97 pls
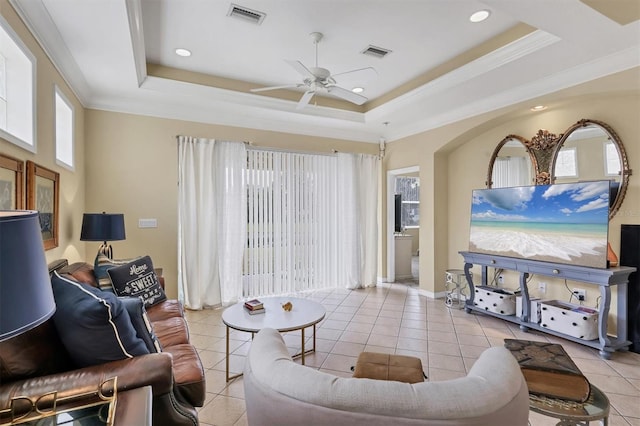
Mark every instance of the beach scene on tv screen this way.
pixel 565 223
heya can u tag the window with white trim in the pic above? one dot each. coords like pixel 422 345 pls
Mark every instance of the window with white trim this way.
pixel 17 89
pixel 409 187
pixel 611 159
pixel 64 130
pixel 566 163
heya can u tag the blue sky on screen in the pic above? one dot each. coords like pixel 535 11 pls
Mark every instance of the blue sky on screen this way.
pixel 583 202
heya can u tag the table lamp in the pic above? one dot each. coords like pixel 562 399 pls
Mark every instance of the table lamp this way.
pixel 103 227
pixel 26 297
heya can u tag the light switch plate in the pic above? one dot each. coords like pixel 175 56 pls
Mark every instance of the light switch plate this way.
pixel 147 223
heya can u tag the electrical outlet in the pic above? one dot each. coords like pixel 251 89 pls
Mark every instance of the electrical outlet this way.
pixel 580 293
pixel 542 287
pixel 500 279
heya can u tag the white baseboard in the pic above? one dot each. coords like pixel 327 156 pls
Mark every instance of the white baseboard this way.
pixel 432 295
pixel 429 294
pixel 404 277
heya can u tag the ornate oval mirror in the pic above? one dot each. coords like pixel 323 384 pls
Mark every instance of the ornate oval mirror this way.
pixel 511 164
pixel 591 150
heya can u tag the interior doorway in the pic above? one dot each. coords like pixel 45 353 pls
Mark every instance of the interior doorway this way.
pixel 403 231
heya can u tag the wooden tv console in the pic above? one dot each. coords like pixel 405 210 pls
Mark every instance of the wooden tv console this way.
pixel 604 278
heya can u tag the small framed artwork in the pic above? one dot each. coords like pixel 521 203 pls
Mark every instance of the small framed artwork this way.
pixel 11 183
pixel 43 193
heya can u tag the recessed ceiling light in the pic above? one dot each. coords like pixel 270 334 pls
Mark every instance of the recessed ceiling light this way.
pixel 539 108
pixel 357 89
pixel 480 16
pixel 183 52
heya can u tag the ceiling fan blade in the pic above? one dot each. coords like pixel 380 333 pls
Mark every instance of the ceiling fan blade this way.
pixel 286 86
pixel 304 71
pixel 305 99
pixel 347 95
pixel 362 75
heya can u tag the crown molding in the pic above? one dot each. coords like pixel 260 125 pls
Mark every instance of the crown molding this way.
pixel 617 62
pixel 183 106
pixel 502 56
pixel 134 15
pixel 441 101
pixel 35 16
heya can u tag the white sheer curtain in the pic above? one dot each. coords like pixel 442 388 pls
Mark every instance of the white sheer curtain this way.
pixel 259 222
pixel 211 221
pixel 231 162
pixel 358 176
pixel 511 171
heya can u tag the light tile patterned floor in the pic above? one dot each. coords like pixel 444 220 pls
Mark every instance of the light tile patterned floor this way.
pixel 394 318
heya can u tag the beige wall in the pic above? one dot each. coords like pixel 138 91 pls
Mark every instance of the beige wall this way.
pixel 428 152
pixel 132 169
pixel 72 183
pixel 620 112
pixel 453 160
pixel 130 166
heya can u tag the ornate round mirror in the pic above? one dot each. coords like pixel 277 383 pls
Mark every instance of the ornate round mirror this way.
pixel 511 164
pixel 591 150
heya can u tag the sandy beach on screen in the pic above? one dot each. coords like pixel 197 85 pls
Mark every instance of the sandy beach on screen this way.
pixel 550 247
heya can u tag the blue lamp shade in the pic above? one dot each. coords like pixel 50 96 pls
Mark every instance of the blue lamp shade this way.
pixel 26 298
pixel 102 227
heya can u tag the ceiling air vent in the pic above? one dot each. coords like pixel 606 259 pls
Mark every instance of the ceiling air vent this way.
pixel 246 14
pixel 378 52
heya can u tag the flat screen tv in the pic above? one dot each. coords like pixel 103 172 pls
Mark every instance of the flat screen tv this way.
pixel 562 223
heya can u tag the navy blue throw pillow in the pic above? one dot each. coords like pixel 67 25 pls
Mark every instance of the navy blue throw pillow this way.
pixel 93 325
pixel 140 321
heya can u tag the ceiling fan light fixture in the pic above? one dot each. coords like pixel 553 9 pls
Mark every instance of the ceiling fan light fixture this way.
pixel 357 89
pixel 480 15
pixel 318 79
pixel 183 52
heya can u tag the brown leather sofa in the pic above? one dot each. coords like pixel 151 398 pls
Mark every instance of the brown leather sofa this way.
pixel 36 363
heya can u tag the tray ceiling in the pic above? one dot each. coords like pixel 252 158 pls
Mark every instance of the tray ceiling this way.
pixel 120 55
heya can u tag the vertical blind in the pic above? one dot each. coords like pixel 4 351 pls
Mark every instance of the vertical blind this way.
pixel 292 222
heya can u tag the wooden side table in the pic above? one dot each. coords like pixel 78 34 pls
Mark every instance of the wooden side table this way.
pixel 573 413
pixel 134 407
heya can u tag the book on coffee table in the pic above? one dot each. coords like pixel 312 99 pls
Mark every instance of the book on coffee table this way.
pixel 254 311
pixel 548 370
pixel 253 305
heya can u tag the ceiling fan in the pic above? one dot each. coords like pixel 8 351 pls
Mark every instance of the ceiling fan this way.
pixel 316 79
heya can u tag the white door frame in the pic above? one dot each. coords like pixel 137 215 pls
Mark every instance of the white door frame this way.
pixel 391 247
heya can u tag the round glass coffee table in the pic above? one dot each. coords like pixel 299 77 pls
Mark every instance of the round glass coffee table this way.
pixel 305 313
pixel 573 413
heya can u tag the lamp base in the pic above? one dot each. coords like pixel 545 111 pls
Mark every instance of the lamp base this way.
pixel 106 250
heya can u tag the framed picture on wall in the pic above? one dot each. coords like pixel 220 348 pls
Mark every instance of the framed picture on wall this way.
pixel 11 183
pixel 43 193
